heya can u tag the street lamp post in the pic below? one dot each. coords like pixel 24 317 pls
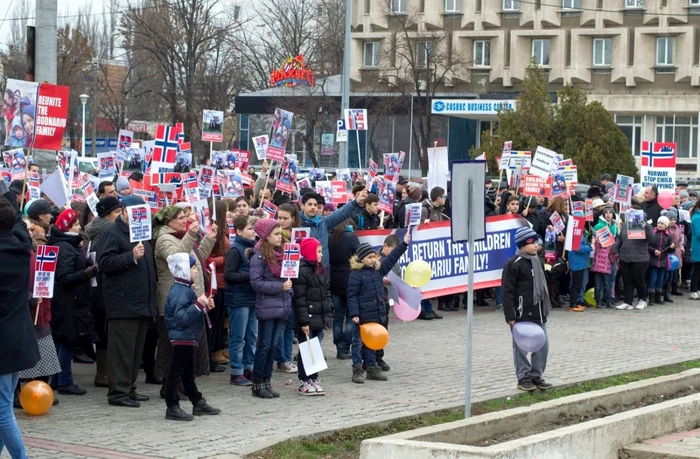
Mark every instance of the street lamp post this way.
pixel 83 100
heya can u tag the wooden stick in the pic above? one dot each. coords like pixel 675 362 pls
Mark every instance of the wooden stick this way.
pixel 267 179
pixel 36 314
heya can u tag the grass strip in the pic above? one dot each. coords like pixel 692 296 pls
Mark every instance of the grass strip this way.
pixel 345 443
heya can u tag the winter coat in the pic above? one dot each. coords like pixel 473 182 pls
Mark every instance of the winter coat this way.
pixel 602 260
pixel 429 212
pixel 94 231
pixel 312 298
pixel 517 287
pixel 271 302
pixel 578 259
pixel 340 253
pixel 18 346
pixel 695 237
pixel 544 222
pixel 184 316
pixel 13 141
pixel 71 319
pixel 653 210
pixel 365 221
pixel 366 290
pixel 128 285
pixel 168 244
pixel 400 215
pixel 534 217
pixel 633 250
pixel 662 242
pixel 219 260
pixel 320 226
pixel 239 292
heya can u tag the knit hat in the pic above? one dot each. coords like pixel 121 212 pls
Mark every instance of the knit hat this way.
pixel 364 250
pixel 672 213
pixel 608 186
pixel 683 194
pixel 107 205
pixel 66 220
pixel 16 186
pixel 329 206
pixel 28 110
pixel 309 248
pixel 38 207
pixel 605 177
pixel 264 226
pixel 414 192
pixel 663 220
pixel 122 184
pixel 687 205
pixel 525 236
pixel 128 201
pixel 598 202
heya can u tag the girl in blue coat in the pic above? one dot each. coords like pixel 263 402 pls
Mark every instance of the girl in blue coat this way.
pixel 695 250
pixel 184 318
pixel 366 302
pixel 578 263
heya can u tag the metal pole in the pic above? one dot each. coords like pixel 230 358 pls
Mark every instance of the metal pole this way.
pixel 345 81
pixel 470 299
pixel 410 140
pixel 95 106
pixel 82 148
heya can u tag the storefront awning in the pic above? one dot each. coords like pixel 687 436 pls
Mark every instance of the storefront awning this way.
pixel 475 109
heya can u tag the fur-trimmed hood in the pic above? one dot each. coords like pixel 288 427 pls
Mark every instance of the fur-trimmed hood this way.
pixel 357 265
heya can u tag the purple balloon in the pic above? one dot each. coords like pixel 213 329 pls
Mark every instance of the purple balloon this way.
pixel 528 336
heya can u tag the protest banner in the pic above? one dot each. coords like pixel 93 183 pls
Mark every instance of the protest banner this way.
pixel 45 271
pixel 519 160
pixel 413 214
pixel 448 260
pixel 288 174
pixel 25 95
pixel 212 126
pixel 291 260
pixel 139 223
pixel 635 224
pixel 577 209
pixel 543 162
pixel 327 148
pixel 589 210
pixel 658 165
pixel 341 132
pixel 623 189
pixel 605 237
pixel 534 185
pixel 281 129
pixel 557 222
pixel 51 116
pixel 356 119
pixel 201 212
pixel 260 142
pixel 574 233
pixel 107 166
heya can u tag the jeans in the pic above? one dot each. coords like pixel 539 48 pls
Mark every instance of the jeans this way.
pixel 602 289
pixel 10 436
pixel 360 352
pixel 426 306
pixel 533 368
pixel 269 333
pixel 65 358
pixel 576 283
pixel 342 331
pixel 611 281
pixel 499 299
pixel 243 331
pixel 300 363
pixel 656 279
pixel 284 348
pixel 181 369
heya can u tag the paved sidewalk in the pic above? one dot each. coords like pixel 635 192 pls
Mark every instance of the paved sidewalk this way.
pixel 427 359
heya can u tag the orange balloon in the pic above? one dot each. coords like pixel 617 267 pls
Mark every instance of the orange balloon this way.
pixel 374 336
pixel 36 398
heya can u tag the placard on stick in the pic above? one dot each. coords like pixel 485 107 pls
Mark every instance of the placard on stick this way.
pixel 139 223
pixel 462 173
pixel 45 270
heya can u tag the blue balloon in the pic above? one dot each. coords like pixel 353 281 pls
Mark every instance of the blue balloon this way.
pixel 675 262
pixel 528 336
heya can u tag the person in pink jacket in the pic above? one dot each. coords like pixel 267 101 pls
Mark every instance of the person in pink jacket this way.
pixel 678 238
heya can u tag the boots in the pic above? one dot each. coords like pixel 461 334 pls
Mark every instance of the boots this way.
pixel 260 390
pixel 101 373
pixel 657 297
pixel 357 374
pixel 175 413
pixel 375 373
pixel 268 386
pixel 667 299
pixel 202 407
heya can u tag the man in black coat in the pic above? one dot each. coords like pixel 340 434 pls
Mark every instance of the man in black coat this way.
pixel 18 346
pixel 651 206
pixel 129 291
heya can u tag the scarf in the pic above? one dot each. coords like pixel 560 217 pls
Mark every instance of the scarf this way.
pixel 276 267
pixel 311 222
pixel 540 294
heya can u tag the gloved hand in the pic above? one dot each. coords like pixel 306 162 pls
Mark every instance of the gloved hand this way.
pixel 91 271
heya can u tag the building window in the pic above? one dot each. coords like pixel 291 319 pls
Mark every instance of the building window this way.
pixel 665 51
pixel 482 53
pixel 244 128
pixel 634 3
pixel 680 129
pixel 693 2
pixel 511 5
pixel 631 126
pixel 540 51
pixel 398 6
pixel 602 52
pixel 571 4
pixel 423 51
pixel 371 58
pixel 452 6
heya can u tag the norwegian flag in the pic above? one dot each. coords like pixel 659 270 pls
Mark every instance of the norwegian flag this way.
pixel 269 207
pixel 185 147
pixel 107 162
pixel 189 180
pixel 46 256
pixel 163 178
pixel 206 175
pixel 658 154
pixel 139 214
pixel 180 131
pixel 292 252
pixel 166 144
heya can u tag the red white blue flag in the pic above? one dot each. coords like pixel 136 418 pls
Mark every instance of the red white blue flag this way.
pixel 166 144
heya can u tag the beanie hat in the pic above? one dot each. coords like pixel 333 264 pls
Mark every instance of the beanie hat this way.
pixel 663 220
pixel 128 201
pixel 107 205
pixel 525 236
pixel 122 184
pixel 28 110
pixel 364 250
pixel 264 226
pixel 309 247
pixel 16 186
pixel 683 194
pixel 608 186
pixel 687 205
pixel 66 219
pixel 38 207
pixel 672 213
pixel 329 206
pixel 414 192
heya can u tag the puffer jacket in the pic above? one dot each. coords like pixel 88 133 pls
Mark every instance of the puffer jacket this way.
pixel 184 315
pixel 366 290
pixel 678 238
pixel 602 260
pixel 239 292
pixel 695 237
pixel 662 242
pixel 517 287
pixel 340 253
pixel 271 302
pixel 634 250
pixel 312 298
pixel 320 226
pixel 578 259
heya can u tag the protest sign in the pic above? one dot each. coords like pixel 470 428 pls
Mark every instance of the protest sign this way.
pixel 150 197
pixel 392 165
pixel 205 181
pixel 550 246
pixel 623 189
pixel 605 237
pixel 107 166
pixel 297 234
pixel 543 162
pixel 413 214
pixel 139 223
pixel 685 215
pixel 311 354
pixel 213 287
pixel 325 189
pixel 303 184
pixel 574 233
pixel 658 165
pixel 356 119
pixel 230 183
pixel 242 159
pixel 343 174
pixel 570 174
pixel 45 270
pixel 270 208
pixel 88 192
pixel 291 259
pixel 51 116
pixel 25 96
pixel 503 162
pixel 559 186
pixel 589 210
pixel 288 174
pixel 372 170
pixel 124 141
pixel 260 142
pixel 507 147
pixel 519 160
pixel 183 159
pixel 281 129
pixel 55 188
pixel 33 184
pixel 635 224
pixel 317 174
pixel 341 132
pixel 534 185
pixel 327 148
pixel 557 222
pixel 201 211
pixel 190 191
pixel 340 192
pixel 387 195
pixel 165 149
pixel 16 161
pixel 577 209
pixel 438 167
pixel 212 126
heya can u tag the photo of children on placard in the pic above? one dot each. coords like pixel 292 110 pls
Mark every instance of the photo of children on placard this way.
pixel 63 159
pixel 559 187
pixel 234 187
pixel 635 224
pixel 15 160
pixel 134 159
pixel 17 113
pixel 317 174
pixel 325 189
pixel 387 196
pixel 212 126
pixel 281 130
pixel 183 162
pixel 260 143
pixel 343 174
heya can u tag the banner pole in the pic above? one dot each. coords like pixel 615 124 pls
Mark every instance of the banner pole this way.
pixel 359 156
pixel 470 300
pixel 24 183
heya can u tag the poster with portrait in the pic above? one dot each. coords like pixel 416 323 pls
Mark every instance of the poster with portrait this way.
pixel 213 126
pixel 327 145
pixel 325 189
pixel 288 174
pixel 230 183
pixel 134 159
pixel 16 162
pixel 17 113
pixel 281 131
pixel 260 142
pixel 387 195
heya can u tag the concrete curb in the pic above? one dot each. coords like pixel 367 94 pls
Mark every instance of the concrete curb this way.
pixel 642 451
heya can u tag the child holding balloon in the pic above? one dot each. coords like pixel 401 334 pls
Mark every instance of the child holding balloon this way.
pixel 366 303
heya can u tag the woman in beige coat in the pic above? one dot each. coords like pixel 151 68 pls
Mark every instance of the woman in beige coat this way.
pixel 172 235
